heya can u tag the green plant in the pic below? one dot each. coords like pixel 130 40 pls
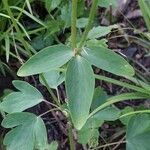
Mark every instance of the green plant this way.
pixel 87 108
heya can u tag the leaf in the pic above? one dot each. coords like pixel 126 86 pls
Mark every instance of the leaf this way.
pixel 144 7
pixel 89 136
pixel 20 101
pixel 119 98
pixel 82 22
pixel 79 80
pixel 108 60
pixel 49 58
pixel 107 3
pixel 85 135
pixel 99 98
pixel 94 122
pixel 52 146
pixel 81 8
pixel 7 47
pixel 40 134
pixel 29 131
pixel 97 43
pixel 52 4
pixel 16 119
pixel 28 14
pixel 126 85
pixel 108 114
pixel 138 133
pixel 100 31
pixel 125 120
pixel 40 42
pixel 53 78
pixel 66 14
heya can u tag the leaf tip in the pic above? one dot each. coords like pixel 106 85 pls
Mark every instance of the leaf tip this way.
pixel 21 72
pixel 130 70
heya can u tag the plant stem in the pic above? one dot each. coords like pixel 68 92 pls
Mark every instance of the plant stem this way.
pixel 119 98
pixel 71 141
pixel 73 23
pixel 120 83
pixel 45 113
pixel 5 2
pixel 50 91
pixel 109 144
pixel 135 112
pixel 90 22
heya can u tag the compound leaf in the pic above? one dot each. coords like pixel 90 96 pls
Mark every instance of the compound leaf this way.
pixel 138 132
pixel 20 101
pixel 27 132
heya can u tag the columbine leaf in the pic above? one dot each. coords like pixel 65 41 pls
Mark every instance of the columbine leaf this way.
pixel 47 59
pixel 108 114
pixel 82 22
pixel 20 101
pixel 91 126
pixel 107 3
pixel 66 15
pixel 138 133
pixel 80 88
pixel 99 98
pixel 100 31
pixel 97 43
pixel 125 120
pixel 51 4
pixel 89 136
pixel 52 146
pixel 53 78
pixel 94 122
pixel 108 60
pixel 27 134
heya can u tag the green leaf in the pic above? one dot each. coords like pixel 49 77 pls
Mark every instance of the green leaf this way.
pixel 119 98
pixel 80 88
pixel 107 3
pixel 7 47
pixel 127 85
pixel 53 78
pixel 51 4
pixel 97 43
pixel 125 120
pixel 16 119
pixel 52 146
pixel 82 22
pixel 85 135
pixel 90 136
pixel 100 31
pixel 81 8
pixel 40 134
pixel 108 114
pixel 66 14
pixel 28 14
pixel 108 60
pixel 40 42
pixel 47 59
pixel 99 98
pixel 138 133
pixel 29 132
pixel 20 101
pixel 145 9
